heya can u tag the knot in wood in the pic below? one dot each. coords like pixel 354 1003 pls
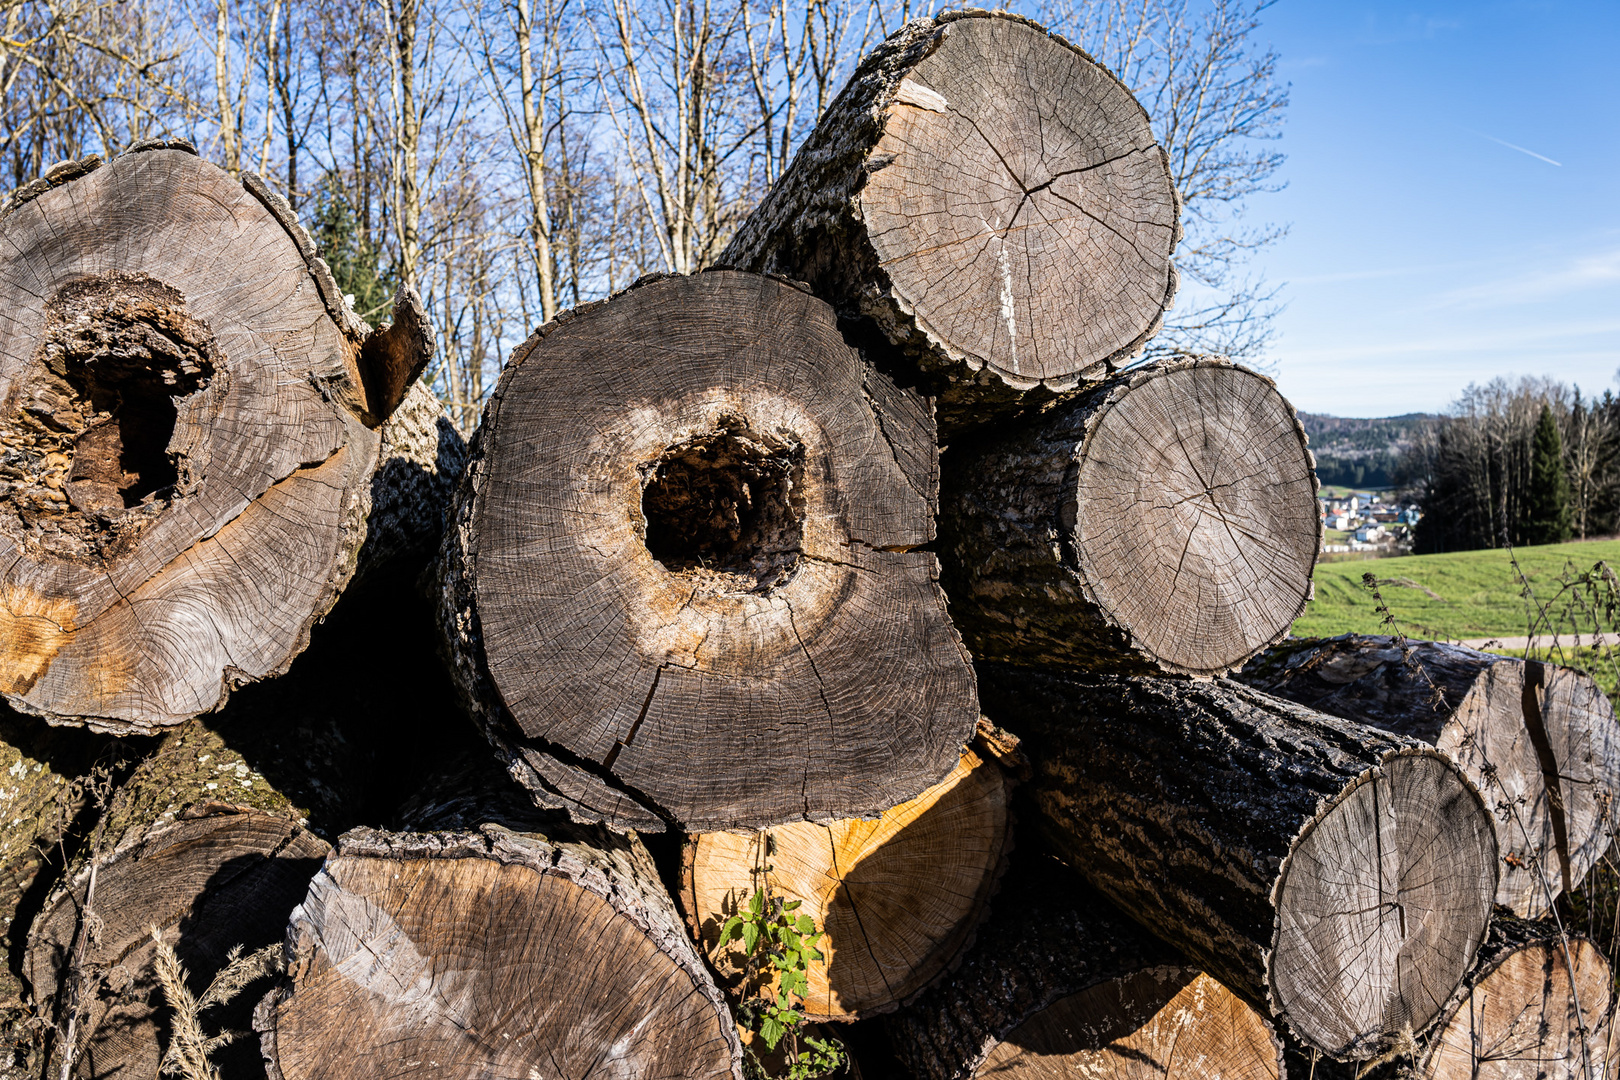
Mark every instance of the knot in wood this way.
pixel 726 508
pixel 89 455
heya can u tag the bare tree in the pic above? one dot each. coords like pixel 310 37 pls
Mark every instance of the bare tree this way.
pixel 1217 107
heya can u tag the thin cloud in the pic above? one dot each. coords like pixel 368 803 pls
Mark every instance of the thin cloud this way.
pixel 1515 146
pixel 1599 270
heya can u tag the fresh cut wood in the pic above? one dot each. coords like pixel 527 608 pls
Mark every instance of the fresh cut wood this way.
pixel 1537 1004
pixel 685 580
pixel 1162 522
pixel 992 200
pixel 189 436
pixel 1059 983
pixel 897 897
pixel 1337 877
pixel 1539 741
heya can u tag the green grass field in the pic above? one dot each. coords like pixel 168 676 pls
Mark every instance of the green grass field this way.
pixel 1479 596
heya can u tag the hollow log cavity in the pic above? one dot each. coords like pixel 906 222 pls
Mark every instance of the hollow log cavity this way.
pixel 1336 876
pixel 1539 741
pixel 993 199
pixel 897 897
pixel 186 440
pixel 1164 522
pixel 684 580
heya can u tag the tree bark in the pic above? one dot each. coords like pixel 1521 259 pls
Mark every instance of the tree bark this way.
pixel 200 846
pixel 489 952
pixel 683 582
pixel 1058 983
pixel 1540 742
pixel 1164 522
pixel 898 897
pixel 1337 877
pixel 992 200
pixel 188 438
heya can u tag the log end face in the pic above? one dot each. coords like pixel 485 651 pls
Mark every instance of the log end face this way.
pixel 1200 527
pixel 1381 905
pixel 1061 261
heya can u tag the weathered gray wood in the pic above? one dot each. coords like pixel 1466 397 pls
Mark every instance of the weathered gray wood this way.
pixel 195 843
pixel 1059 983
pixel 1337 877
pixel 488 952
pixel 1540 742
pixel 993 200
pixel 187 438
pixel 1165 521
pixel 684 579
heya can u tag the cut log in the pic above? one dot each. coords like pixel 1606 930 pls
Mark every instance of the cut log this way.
pixel 1336 876
pixel 1540 742
pixel 1165 521
pixel 197 845
pixel 188 438
pixel 898 897
pixel 993 200
pixel 1536 1005
pixel 487 952
pixel 1059 983
pixel 682 582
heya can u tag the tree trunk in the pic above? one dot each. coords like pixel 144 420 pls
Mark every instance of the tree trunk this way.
pixel 993 200
pixel 196 844
pixel 487 952
pixel 1060 984
pixel 682 582
pixel 1540 742
pixel 898 897
pixel 1535 1005
pixel 1337 877
pixel 188 438
pixel 1165 521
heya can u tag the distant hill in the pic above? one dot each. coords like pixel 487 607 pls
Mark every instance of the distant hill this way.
pixel 1362 452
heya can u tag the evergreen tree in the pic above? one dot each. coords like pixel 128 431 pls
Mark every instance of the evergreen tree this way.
pixel 1546 503
pixel 355 259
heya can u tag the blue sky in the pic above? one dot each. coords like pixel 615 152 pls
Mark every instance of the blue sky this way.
pixel 1426 252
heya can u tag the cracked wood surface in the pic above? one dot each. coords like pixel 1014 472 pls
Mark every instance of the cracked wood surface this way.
pixel 785 654
pixel 488 952
pixel 1058 983
pixel 186 453
pixel 204 848
pixel 1337 877
pixel 1164 522
pixel 993 199
pixel 1535 1005
pixel 1540 742
pixel 898 898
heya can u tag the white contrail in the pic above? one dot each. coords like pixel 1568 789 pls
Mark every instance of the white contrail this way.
pixel 1520 149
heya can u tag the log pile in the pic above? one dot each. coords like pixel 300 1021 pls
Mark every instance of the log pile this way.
pixel 785 585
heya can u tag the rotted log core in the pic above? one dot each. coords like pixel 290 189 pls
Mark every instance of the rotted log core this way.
pixel 186 447
pixel 1336 876
pixel 898 897
pixel 1540 742
pixel 992 200
pixel 686 579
